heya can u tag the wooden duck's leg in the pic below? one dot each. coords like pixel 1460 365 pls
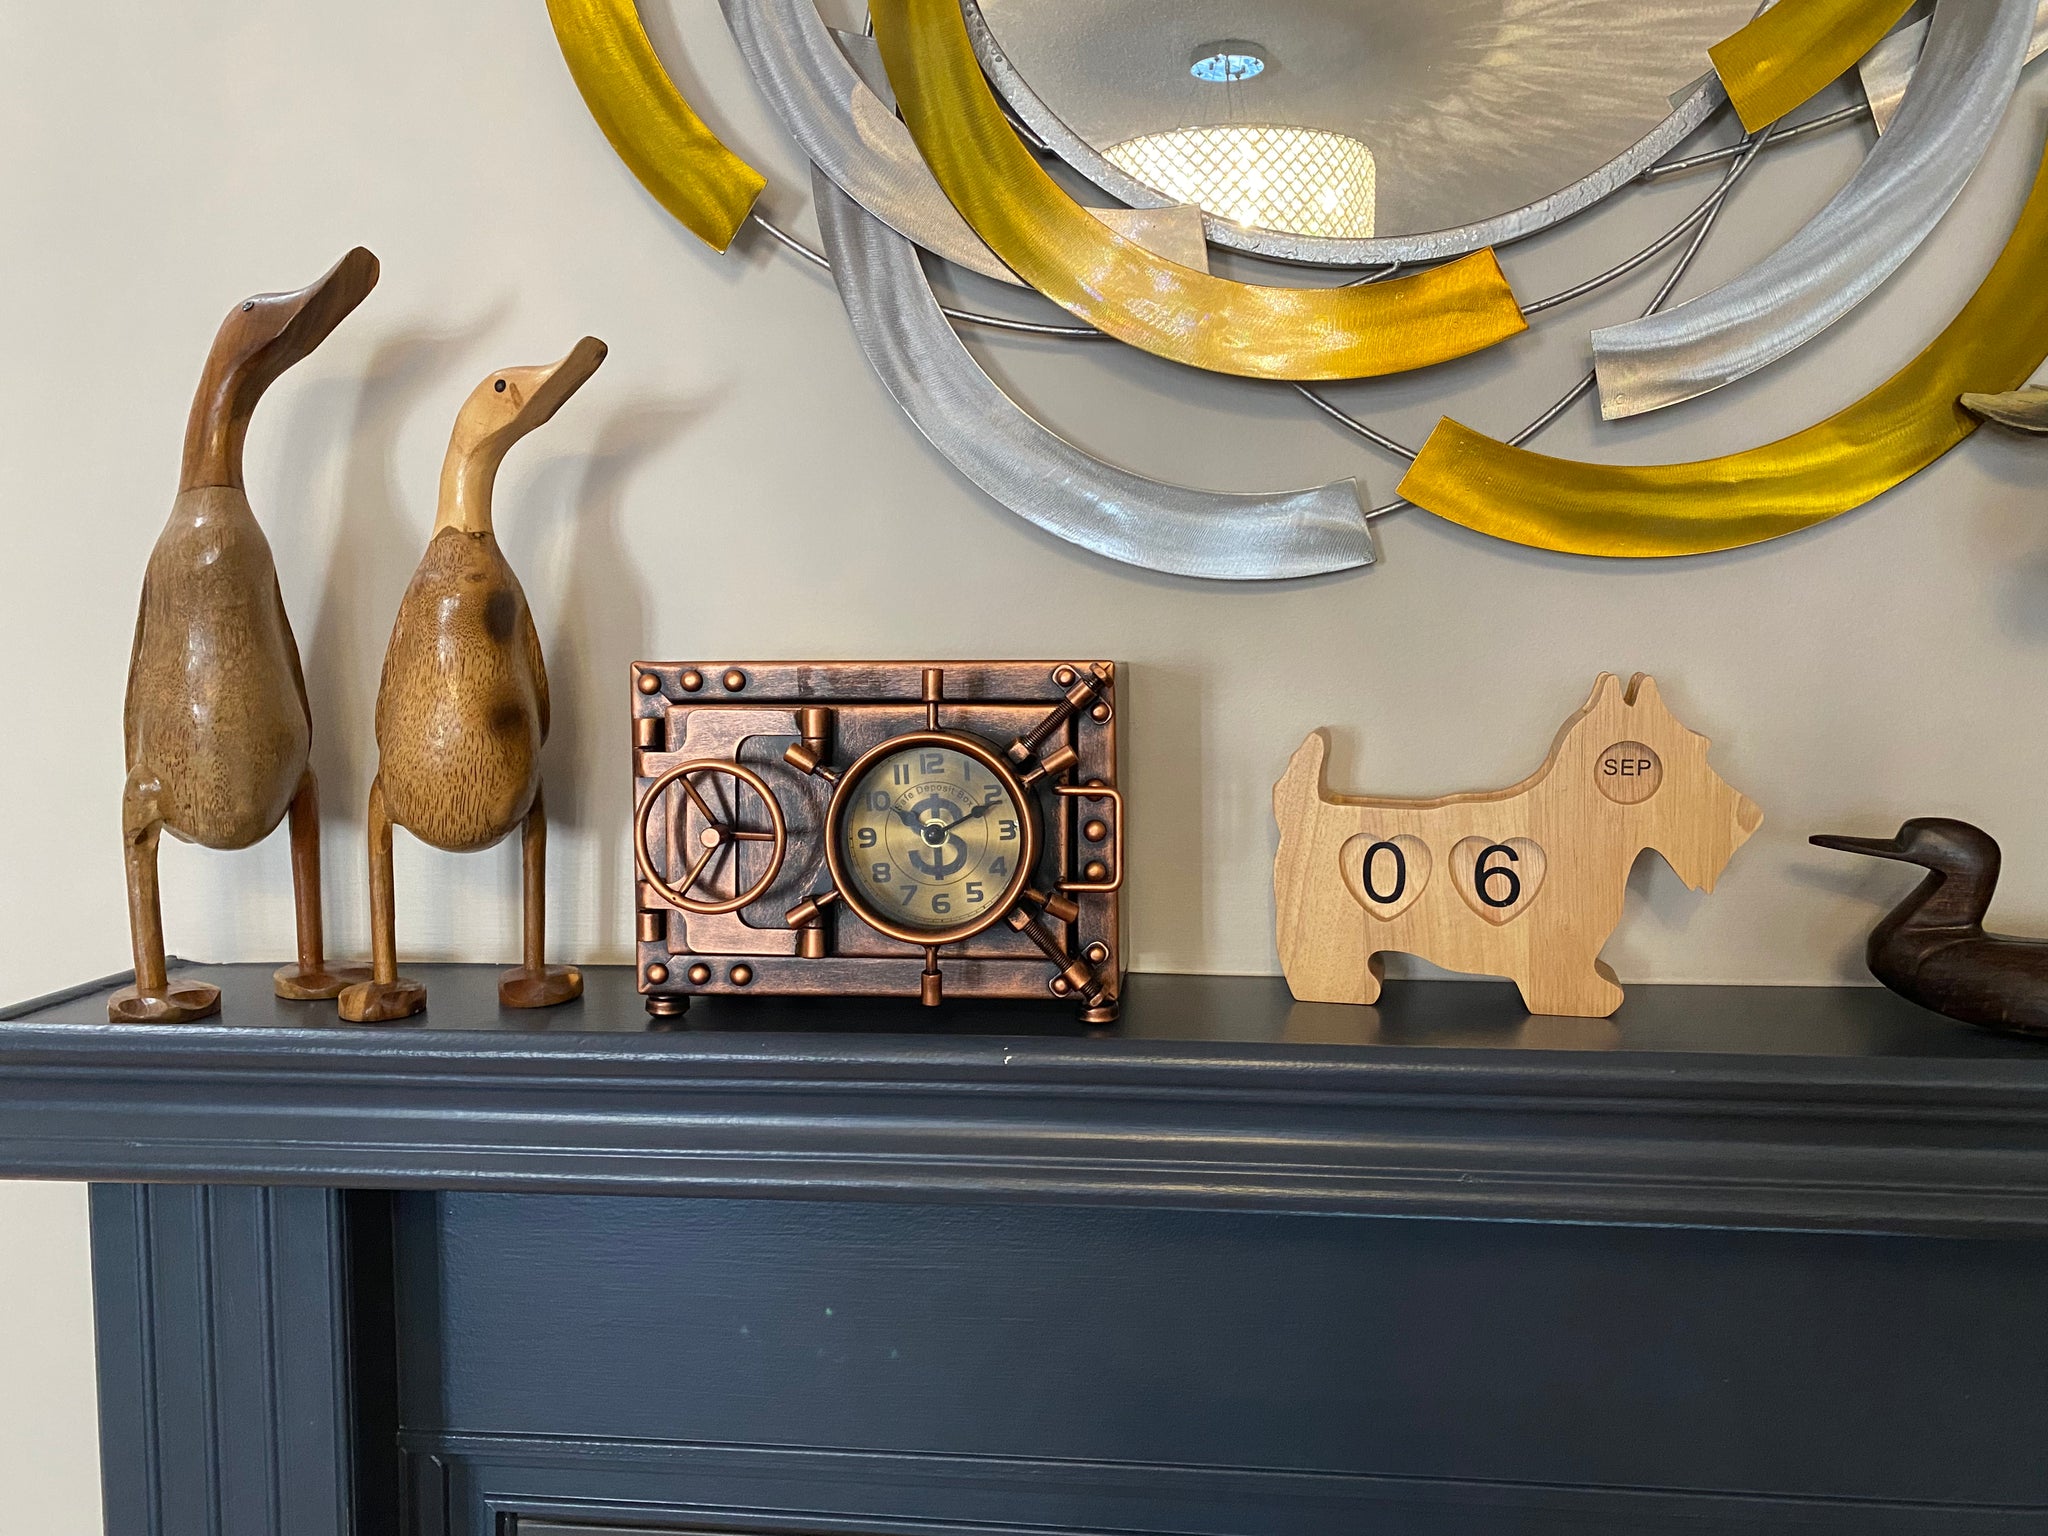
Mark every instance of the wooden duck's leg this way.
pixel 310 978
pixel 386 995
pixel 155 998
pixel 534 983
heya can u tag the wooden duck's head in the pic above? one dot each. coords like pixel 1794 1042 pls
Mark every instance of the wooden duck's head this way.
pixel 262 337
pixel 1939 843
pixel 502 409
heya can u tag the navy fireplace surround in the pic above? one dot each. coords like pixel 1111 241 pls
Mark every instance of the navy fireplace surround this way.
pixel 1741 1259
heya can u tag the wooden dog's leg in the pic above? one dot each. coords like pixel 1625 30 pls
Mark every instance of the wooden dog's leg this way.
pixel 154 998
pixel 386 995
pixel 534 983
pixel 1576 991
pixel 310 978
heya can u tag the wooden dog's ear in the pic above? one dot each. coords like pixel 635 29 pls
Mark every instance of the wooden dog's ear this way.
pixel 1606 690
pixel 1642 690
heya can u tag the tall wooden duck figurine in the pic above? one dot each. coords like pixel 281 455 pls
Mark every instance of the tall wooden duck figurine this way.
pixel 218 730
pixel 463 707
pixel 1932 948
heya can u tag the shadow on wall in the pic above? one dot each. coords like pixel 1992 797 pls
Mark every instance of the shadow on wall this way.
pixel 1173 921
pixel 600 627
pixel 378 535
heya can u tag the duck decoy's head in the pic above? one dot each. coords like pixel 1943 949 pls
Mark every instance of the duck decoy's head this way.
pixel 2024 410
pixel 1933 842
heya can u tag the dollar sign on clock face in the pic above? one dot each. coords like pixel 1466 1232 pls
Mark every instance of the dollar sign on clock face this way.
pixel 932 838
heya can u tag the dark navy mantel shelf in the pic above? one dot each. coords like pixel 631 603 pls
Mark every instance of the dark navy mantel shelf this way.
pixel 1741 1260
pixel 1821 1108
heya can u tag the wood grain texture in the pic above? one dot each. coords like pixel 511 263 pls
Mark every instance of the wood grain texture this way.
pixel 462 709
pixel 1525 882
pixel 216 724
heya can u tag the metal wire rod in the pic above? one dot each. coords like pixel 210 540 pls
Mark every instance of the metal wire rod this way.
pixel 1706 211
pixel 1779 136
pixel 1579 390
pixel 1700 220
pixel 964 316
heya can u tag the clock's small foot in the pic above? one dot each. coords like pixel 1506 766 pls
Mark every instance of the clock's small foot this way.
pixel 1102 1014
pixel 666 1005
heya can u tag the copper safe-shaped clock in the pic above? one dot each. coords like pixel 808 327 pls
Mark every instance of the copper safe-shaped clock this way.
pixel 877 828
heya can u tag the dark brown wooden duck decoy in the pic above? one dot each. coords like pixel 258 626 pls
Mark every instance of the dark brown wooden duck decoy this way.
pixel 1933 949
pixel 462 710
pixel 217 725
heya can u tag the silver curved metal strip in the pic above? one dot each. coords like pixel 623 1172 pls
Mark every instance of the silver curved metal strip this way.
pixel 1888 68
pixel 1174 231
pixel 1688 112
pixel 1897 196
pixel 847 132
pixel 1042 477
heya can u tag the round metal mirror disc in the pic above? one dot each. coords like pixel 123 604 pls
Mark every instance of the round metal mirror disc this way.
pixel 1464 110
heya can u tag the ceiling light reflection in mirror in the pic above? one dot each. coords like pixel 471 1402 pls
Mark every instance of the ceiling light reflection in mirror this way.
pixel 1348 119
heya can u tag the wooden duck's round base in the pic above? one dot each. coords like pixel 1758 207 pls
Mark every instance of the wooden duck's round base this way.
pixel 521 987
pixel 179 1002
pixel 382 1002
pixel 296 984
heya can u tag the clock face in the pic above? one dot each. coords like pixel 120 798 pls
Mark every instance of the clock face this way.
pixel 932 838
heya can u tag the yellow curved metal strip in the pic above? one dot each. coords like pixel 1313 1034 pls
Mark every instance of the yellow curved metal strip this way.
pixel 691 174
pixel 1995 343
pixel 1789 54
pixel 1055 245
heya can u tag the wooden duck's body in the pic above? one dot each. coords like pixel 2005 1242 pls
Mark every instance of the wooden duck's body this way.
pixel 1932 948
pixel 462 710
pixel 217 727
pixel 216 702
pixel 463 707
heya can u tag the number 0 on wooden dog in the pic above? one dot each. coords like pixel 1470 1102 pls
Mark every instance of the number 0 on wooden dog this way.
pixel 1524 882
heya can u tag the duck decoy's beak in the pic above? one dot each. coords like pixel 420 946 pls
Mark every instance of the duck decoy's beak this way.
pixel 1876 847
pixel 2024 410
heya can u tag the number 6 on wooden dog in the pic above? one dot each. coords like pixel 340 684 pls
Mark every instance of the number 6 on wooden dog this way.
pixel 1524 882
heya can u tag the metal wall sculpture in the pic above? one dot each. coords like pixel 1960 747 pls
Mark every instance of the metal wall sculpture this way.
pixel 957 177
pixel 1051 242
pixel 1043 478
pixel 1784 58
pixel 1994 344
pixel 1838 259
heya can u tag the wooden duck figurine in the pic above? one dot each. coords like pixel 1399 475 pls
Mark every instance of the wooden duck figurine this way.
pixel 1933 948
pixel 218 730
pixel 462 710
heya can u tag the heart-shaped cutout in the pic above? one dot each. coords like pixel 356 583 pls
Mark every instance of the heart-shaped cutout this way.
pixel 1384 874
pixel 1498 880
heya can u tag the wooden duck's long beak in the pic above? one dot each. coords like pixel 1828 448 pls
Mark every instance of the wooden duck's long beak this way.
pixel 324 304
pixel 552 386
pixel 2024 410
pixel 1876 847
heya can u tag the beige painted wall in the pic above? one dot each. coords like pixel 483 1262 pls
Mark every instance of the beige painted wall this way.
pixel 162 161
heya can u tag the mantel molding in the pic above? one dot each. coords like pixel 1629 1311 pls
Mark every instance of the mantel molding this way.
pixel 1948 1135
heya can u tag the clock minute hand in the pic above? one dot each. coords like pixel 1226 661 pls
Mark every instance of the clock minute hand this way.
pixel 980 810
